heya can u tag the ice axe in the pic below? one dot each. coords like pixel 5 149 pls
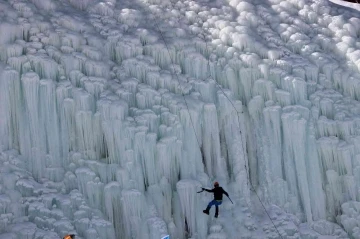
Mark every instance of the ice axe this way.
pixel 230 200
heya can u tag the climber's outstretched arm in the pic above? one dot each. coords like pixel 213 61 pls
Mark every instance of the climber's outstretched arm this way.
pixel 208 190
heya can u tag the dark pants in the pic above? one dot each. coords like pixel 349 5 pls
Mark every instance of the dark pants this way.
pixel 216 203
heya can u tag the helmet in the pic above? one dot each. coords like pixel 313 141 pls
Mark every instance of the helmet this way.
pixel 216 184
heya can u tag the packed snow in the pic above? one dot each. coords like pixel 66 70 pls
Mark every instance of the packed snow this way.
pixel 114 114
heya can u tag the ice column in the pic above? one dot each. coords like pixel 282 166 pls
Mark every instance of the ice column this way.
pixel 133 206
pixel 68 133
pixel 10 108
pixel 84 175
pixel 150 167
pixel 167 160
pixel 113 114
pixel 30 83
pixel 134 168
pixel 214 164
pixel 272 118
pixel 113 208
pixel 156 228
pixel 315 179
pixel 295 146
pixel 161 195
pixel 191 150
pixel 95 192
pixel 189 204
pixel 233 139
pixel 49 120
pixel 257 163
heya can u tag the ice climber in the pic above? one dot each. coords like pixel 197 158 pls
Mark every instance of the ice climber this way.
pixel 70 236
pixel 218 195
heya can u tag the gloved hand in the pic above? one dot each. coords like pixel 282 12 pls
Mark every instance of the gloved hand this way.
pixel 203 188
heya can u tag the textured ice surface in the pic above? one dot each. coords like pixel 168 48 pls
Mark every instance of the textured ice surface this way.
pixel 107 131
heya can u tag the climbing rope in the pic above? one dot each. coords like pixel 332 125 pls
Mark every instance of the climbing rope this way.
pixel 192 123
pixel 238 117
pixel 183 95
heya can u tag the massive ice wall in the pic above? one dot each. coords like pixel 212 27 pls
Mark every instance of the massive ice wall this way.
pixel 117 129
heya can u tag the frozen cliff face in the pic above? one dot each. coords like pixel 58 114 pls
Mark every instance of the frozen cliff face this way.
pixel 113 114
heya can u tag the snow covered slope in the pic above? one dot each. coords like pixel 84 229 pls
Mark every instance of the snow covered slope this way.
pixel 113 114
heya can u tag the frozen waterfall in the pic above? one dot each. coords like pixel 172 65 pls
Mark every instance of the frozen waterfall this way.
pixel 110 124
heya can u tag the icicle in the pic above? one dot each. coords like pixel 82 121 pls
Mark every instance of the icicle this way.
pixel 189 202
pixel 55 174
pixel 327 153
pixel 9 32
pixel 95 194
pixel 91 233
pixel 211 144
pixel 346 155
pixel 44 66
pixel 248 76
pixel 67 119
pixel 272 117
pixel 256 161
pixel 71 63
pixel 195 65
pixel 157 228
pixel 10 108
pixel 326 127
pixel 167 191
pixel 104 229
pixel 82 225
pixel 85 137
pixel 314 172
pixel 94 85
pixel 297 87
pixel 83 100
pixel 149 163
pixel 8 51
pixel 275 76
pixel 97 68
pixel 349 188
pixel 192 154
pixel 134 211
pixel 333 192
pixel 130 48
pixel 92 53
pixel 166 158
pixel 49 119
pixel 84 175
pixel 264 88
pixel 295 149
pixel 30 82
pixel 345 128
pixel 160 54
pixel 207 89
pixel 112 202
pixel 178 216
pixel 135 170
pixel 231 80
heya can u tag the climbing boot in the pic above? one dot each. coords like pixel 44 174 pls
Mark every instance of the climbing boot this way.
pixel 206 211
pixel 216 211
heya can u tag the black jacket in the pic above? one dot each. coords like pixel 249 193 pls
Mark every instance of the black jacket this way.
pixel 218 192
